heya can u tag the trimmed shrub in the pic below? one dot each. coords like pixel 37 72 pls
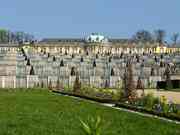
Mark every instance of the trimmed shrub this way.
pixel 32 71
pixel 82 60
pixel 28 62
pixel 62 63
pixel 73 71
pixel 50 87
pixel 54 58
pixel 112 72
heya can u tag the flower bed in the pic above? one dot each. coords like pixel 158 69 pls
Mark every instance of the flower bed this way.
pixel 97 99
pixel 171 116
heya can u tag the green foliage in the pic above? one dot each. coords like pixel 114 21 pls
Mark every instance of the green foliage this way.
pixel 68 88
pixel 159 105
pixel 8 36
pixel 92 127
pixel 118 95
pixel 101 92
pixel 148 101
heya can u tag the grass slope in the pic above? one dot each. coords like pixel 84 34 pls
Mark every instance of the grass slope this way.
pixel 44 113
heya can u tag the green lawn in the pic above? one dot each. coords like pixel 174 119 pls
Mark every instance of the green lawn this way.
pixel 45 113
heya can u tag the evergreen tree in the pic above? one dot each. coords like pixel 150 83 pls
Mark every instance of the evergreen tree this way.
pixel 22 50
pixel 25 57
pixel 121 55
pixel 48 55
pixel 94 63
pixel 97 56
pixel 155 59
pixel 50 85
pixel 28 62
pixel 110 59
pixel 65 52
pixel 62 63
pixel 82 60
pixel 54 58
pixel 112 72
pixel 32 71
pixel 72 56
pixel 152 71
pixel 73 71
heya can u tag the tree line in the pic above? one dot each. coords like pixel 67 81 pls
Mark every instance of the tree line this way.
pixel 7 36
pixel 157 36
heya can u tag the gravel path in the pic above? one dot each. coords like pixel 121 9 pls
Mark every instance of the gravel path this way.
pixel 170 95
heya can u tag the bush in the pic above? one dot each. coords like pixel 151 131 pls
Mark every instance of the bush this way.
pixel 86 90
pixel 68 89
pixel 148 101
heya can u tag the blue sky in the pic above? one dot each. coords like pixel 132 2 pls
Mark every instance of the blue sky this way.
pixel 77 18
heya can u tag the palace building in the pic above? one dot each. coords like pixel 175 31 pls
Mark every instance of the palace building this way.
pixel 96 43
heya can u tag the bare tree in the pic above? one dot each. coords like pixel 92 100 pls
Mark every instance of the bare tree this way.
pixel 159 36
pixel 143 36
pixel 130 88
pixel 174 38
pixel 77 85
